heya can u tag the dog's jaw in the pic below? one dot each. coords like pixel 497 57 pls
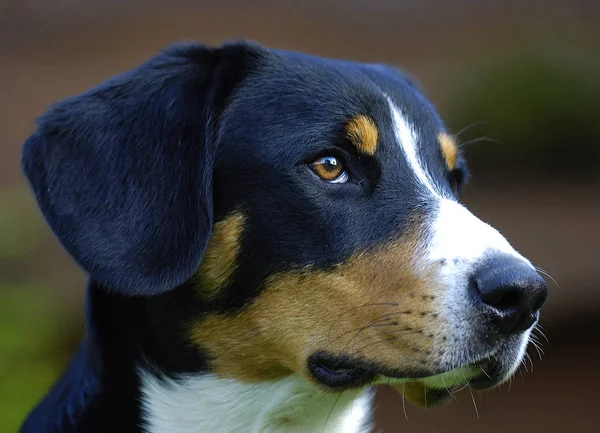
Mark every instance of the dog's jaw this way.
pixel 202 403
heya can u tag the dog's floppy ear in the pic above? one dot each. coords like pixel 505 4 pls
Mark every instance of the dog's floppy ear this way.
pixel 123 172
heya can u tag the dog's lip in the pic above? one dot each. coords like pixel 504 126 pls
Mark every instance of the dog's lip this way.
pixel 435 390
pixel 341 373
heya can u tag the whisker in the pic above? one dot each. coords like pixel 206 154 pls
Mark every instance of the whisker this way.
pixel 382 325
pixel 404 400
pixel 521 371
pixel 449 392
pixel 371 385
pixel 471 392
pixel 484 372
pixel 546 320
pixel 376 342
pixel 464 144
pixel 534 338
pixel 538 328
pixel 364 328
pixel 402 331
pixel 528 356
pixel 474 404
pixel 371 304
pixel 392 336
pixel 538 345
pixel 331 411
pixel 461 388
pixel 543 272
pixel 466 128
pixel 254 332
pixel 539 350
pixel 368 325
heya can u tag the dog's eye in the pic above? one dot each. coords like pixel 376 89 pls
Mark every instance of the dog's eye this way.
pixel 330 169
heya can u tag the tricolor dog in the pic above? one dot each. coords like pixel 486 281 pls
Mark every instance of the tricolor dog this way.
pixel 267 234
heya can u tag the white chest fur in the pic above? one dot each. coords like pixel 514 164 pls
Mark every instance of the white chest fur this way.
pixel 194 404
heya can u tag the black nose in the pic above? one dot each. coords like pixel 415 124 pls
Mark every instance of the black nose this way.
pixel 511 292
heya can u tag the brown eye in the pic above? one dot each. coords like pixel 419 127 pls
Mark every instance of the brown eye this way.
pixel 330 169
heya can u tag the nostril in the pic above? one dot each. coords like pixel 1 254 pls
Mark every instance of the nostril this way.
pixel 510 292
pixel 541 300
pixel 502 298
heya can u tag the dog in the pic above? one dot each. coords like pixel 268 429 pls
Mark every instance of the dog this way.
pixel 268 234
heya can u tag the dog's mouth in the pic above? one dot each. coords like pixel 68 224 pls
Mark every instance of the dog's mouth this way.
pixel 436 390
pixel 340 373
pixel 421 389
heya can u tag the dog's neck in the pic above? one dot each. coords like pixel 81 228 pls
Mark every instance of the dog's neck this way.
pixel 207 403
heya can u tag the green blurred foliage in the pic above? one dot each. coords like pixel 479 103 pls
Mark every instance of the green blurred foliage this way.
pixel 540 108
pixel 35 331
pixel 30 334
pixel 20 228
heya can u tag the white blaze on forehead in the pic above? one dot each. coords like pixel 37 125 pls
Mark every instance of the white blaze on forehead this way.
pixel 407 138
pixel 455 232
pixel 458 234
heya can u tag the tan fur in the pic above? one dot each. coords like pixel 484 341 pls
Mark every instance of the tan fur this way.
pixel 362 132
pixel 375 306
pixel 449 149
pixel 219 260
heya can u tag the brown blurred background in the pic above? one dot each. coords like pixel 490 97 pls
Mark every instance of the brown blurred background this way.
pixel 524 74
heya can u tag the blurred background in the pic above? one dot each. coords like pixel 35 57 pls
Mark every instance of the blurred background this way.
pixel 519 79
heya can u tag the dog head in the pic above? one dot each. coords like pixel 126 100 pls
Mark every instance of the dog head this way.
pixel 310 205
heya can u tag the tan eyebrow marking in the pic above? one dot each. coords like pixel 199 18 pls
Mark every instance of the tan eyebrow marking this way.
pixel 362 132
pixel 449 149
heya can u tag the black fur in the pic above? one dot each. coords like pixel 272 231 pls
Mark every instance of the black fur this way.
pixel 132 174
pixel 123 172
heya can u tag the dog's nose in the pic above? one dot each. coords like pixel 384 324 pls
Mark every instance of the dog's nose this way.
pixel 511 292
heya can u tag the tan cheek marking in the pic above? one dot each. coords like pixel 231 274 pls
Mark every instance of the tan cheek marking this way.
pixel 449 149
pixel 363 133
pixel 371 307
pixel 219 260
